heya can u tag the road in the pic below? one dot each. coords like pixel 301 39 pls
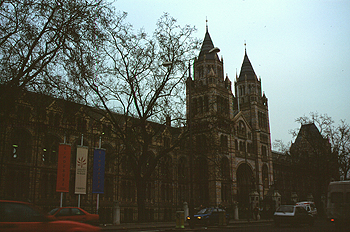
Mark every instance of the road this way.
pixel 320 226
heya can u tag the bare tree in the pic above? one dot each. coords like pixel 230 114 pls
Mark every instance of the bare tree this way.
pixel 34 37
pixel 140 81
pixel 282 147
pixel 323 122
pixel 340 140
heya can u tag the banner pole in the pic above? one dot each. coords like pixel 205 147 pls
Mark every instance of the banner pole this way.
pixel 61 199
pixel 82 144
pixel 98 195
pixel 98 202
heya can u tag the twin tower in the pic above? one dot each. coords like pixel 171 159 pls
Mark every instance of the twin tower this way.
pixel 231 132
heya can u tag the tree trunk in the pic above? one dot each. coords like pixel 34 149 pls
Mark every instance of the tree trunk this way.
pixel 141 198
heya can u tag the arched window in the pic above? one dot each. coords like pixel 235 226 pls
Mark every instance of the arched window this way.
pixel 194 107
pixel 265 179
pixel 182 170
pixel 149 191
pixel 242 146
pixel 225 168
pixel 109 157
pixel 206 104
pixel 182 179
pixel 57 120
pixel 200 105
pixel 127 190
pixel 224 143
pixel 241 128
pixel 51 118
pixel 165 168
pixel 225 182
pixel 109 187
pixel 201 143
pixel 263 152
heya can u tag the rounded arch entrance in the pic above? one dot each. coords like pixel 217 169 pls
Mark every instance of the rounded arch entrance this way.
pixel 244 184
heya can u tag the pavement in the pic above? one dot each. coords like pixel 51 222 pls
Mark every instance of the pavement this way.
pixel 169 225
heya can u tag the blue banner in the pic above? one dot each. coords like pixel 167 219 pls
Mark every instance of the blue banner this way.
pixel 98 171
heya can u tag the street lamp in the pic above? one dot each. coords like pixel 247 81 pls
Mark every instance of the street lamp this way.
pixel 214 50
pixel 167 63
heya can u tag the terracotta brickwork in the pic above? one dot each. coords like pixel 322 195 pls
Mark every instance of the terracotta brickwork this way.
pixel 229 146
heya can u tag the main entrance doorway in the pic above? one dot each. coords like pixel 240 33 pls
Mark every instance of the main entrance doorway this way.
pixel 244 185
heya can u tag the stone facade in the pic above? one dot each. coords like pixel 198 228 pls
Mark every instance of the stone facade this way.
pixel 231 132
pixel 226 158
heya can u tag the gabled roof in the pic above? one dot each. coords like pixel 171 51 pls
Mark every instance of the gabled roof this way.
pixel 247 70
pixel 239 116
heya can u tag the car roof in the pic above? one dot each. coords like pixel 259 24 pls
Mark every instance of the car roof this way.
pixel 20 202
pixel 305 202
pixel 69 207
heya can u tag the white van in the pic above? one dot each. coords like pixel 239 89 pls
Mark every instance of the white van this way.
pixel 309 206
pixel 338 201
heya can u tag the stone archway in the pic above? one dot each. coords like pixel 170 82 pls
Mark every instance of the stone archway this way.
pixel 244 178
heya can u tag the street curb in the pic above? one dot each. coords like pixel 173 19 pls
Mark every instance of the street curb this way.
pixel 172 227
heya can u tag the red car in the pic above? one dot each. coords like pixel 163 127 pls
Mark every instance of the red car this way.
pixel 75 214
pixel 22 216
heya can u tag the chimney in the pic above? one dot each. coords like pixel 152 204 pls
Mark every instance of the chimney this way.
pixel 168 121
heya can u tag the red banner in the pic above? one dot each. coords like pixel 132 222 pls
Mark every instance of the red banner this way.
pixel 63 168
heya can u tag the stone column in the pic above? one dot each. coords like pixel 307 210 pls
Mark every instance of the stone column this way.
pixel 116 213
pixel 236 216
pixel 186 210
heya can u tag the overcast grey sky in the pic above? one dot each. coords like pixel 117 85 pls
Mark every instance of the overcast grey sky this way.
pixel 299 48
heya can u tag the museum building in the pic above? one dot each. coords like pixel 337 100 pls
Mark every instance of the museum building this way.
pixel 226 161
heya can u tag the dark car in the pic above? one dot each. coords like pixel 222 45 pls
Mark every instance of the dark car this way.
pixel 75 214
pixel 292 215
pixel 22 216
pixel 210 216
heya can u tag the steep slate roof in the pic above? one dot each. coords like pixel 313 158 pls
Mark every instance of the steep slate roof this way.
pixel 310 133
pixel 247 70
pixel 206 46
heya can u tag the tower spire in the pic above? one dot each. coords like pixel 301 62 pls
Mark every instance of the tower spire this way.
pixel 206 23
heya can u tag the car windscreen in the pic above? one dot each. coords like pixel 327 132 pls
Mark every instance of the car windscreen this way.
pixel 204 211
pixel 285 209
pixel 52 212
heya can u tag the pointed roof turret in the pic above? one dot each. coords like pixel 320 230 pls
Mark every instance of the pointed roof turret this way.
pixel 247 69
pixel 207 45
